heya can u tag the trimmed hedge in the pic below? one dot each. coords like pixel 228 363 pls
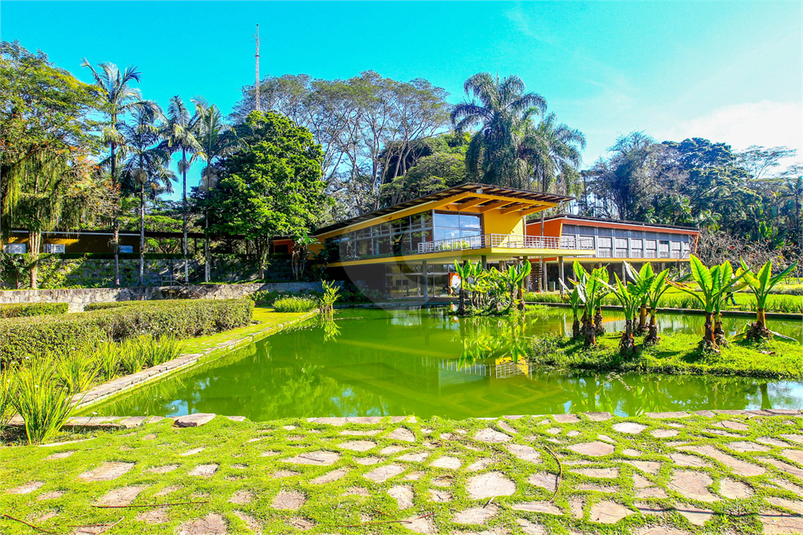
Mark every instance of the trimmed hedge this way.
pixel 32 309
pixel 32 337
pixel 115 304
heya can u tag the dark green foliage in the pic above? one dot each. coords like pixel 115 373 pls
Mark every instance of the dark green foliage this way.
pixel 32 309
pixel 30 338
pixel 295 304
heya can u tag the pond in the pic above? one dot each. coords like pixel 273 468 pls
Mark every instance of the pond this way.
pixel 418 362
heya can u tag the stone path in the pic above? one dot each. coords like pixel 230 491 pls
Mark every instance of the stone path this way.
pixel 669 473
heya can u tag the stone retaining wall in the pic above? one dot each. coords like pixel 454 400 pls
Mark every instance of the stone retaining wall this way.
pixel 79 297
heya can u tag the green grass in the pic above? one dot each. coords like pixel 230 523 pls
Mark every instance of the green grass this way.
pixel 295 304
pixel 677 353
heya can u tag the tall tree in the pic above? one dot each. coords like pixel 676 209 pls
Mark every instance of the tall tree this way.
pixel 118 98
pixel 180 136
pixel 216 140
pixel 145 169
pixel 501 110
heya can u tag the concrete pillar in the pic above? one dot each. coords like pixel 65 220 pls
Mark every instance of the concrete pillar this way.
pixel 624 271
pixel 426 286
pixel 562 274
pixel 484 262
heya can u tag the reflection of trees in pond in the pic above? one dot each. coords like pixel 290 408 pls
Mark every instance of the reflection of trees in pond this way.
pixel 491 338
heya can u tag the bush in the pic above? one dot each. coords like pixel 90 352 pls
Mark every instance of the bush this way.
pixel 32 309
pixel 788 289
pixel 60 335
pixel 295 304
pixel 43 404
pixel 114 304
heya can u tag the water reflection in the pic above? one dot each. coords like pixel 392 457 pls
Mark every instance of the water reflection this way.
pixel 375 363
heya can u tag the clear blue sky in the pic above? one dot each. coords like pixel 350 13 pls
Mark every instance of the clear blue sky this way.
pixel 729 71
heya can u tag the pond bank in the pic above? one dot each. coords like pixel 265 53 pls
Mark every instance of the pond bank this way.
pixel 695 311
pixel 678 473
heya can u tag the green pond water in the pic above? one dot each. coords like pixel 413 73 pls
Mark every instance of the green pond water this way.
pixel 429 363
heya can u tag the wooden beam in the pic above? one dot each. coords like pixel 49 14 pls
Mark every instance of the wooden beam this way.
pixel 532 210
pixel 514 208
pixel 494 206
pixel 469 204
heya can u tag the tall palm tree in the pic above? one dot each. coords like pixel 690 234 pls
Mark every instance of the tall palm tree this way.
pixel 217 140
pixel 118 98
pixel 145 168
pixel 179 134
pixel 499 109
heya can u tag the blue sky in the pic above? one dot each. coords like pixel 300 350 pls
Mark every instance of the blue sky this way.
pixel 729 71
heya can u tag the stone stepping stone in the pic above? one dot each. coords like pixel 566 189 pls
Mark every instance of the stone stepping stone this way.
pixel 599 416
pixel 289 427
pixel 694 515
pixel 783 467
pixel 664 433
pixel 204 470
pixel 413 476
pixel 59 455
pixel 241 497
pixel 661 530
pixel 417 524
pixel 52 495
pixel 488 485
pixel 299 523
pixel 734 490
pixel 440 496
pixel 606 438
pixel 793 437
pixel 392 450
pixel 359 433
pixel 269 453
pixel 772 442
pixel 593 487
pixel 630 452
pixel 328 477
pixel 651 492
pixel 403 434
pixel 576 505
pixel 592 449
pixel 107 471
pixel 357 445
pixel 745 446
pixel 122 495
pixel 608 512
pixel 491 436
pixel 538 507
pixel 728 424
pixel 290 500
pixel 553 431
pixel 154 516
pixel 796 456
pixel 211 524
pixel 786 485
pixel 545 480
pixel 480 464
pixel 566 418
pixel 413 457
pixel 524 453
pixel 279 474
pixel 682 459
pixel 793 505
pixel 451 463
pixel 603 473
pixel 528 528
pixel 193 420
pixel 779 524
pixel 27 488
pixel 641 482
pixel 692 484
pixel 162 469
pixel 403 496
pixel 318 458
pixel 356 491
pixel 628 428
pixel 368 461
pixel 383 473
pixel 443 481
pixel 252 523
pixel 193 451
pixel 650 467
pixel 741 467
pixel 475 515
pixel 573 433
pixel 167 490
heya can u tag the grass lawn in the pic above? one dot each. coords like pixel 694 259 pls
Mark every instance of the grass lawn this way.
pixel 716 474
pixel 677 353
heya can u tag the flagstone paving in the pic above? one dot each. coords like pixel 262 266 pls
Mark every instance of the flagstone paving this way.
pixel 734 473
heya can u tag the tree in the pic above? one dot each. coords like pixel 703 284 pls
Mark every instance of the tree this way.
pixel 272 186
pixel 216 140
pixel 430 174
pixel 179 133
pixel 118 98
pixel 146 166
pixel 501 110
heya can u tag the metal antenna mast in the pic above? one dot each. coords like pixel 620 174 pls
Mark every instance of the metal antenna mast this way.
pixel 256 85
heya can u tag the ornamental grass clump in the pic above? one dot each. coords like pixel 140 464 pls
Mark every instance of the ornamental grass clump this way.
pixel 76 372
pixel 295 304
pixel 158 350
pixel 107 361
pixel 131 356
pixel 42 402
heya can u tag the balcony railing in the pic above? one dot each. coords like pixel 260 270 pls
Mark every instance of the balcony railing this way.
pixel 638 253
pixel 506 241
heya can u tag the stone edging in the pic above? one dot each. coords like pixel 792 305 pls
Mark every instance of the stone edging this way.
pixel 112 388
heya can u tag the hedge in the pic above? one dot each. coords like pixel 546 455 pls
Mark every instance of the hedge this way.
pixel 32 309
pixel 31 337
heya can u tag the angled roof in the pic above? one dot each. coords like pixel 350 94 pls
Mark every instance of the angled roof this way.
pixel 485 189
pixel 615 221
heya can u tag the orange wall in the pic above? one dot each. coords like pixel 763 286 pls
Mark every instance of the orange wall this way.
pixel 535 227
pixel 553 227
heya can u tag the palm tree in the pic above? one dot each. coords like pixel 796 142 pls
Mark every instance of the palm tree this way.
pixel 503 108
pixel 217 140
pixel 118 98
pixel 179 133
pixel 146 166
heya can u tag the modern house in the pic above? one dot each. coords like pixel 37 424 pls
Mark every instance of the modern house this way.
pixel 409 250
pixel 614 242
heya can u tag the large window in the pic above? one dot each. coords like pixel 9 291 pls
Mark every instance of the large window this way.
pixel 398 237
pixel 452 225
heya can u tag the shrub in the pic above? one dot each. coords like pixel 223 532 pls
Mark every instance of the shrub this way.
pixel 42 403
pixel 295 304
pixel 114 304
pixel 60 335
pixel 32 309
pixel 7 387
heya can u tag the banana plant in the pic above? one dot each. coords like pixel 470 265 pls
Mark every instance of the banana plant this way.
pixel 659 286
pixel 761 285
pixel 517 276
pixel 590 290
pixel 574 301
pixel 643 279
pixel 629 295
pixel 714 284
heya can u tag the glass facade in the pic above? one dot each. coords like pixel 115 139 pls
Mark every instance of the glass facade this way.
pixel 456 225
pixel 620 243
